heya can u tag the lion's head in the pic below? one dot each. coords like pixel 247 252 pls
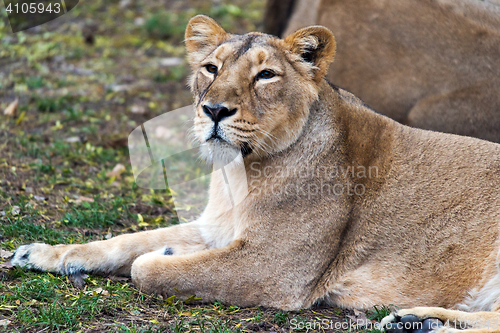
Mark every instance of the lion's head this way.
pixel 253 92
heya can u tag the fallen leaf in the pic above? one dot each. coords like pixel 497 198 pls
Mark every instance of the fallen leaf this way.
pixel 101 291
pixel 5 322
pixel 20 118
pixel 117 171
pixel 39 198
pixel 187 314
pixel 82 199
pixel 10 111
pixel 5 254
pixel 7 265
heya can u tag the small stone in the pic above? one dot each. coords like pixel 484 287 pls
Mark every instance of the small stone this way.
pixel 73 139
pixel 15 210
pixel 138 109
pixel 139 21
pixel 39 198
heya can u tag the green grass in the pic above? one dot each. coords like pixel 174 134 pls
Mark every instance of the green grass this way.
pixel 51 301
pixel 380 312
pixel 25 231
pixel 35 82
pixel 97 214
pixel 50 104
pixel 280 318
pixel 166 25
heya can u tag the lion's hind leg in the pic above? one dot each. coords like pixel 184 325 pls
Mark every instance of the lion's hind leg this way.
pixel 439 320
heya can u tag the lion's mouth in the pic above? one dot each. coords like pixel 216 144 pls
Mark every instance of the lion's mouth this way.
pixel 221 143
pixel 216 138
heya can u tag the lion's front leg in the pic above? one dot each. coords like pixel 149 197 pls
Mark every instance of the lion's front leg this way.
pixel 439 320
pixel 113 256
pixel 236 274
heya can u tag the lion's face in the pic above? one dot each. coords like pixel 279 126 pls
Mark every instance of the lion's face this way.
pixel 253 92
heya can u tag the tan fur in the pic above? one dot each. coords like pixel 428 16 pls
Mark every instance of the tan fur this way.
pixel 429 64
pixel 424 230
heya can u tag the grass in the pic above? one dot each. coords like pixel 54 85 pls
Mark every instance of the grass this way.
pixel 49 104
pixel 166 25
pixel 69 132
pixel 380 312
pixel 50 301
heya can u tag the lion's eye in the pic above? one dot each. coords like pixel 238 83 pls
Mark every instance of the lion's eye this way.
pixel 211 68
pixel 265 74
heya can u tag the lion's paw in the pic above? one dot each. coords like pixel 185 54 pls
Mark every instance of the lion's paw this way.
pixel 37 256
pixel 21 256
pixel 409 323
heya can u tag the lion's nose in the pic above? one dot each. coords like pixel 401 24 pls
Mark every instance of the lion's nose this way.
pixel 218 112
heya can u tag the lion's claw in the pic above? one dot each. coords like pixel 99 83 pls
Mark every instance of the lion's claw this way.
pixel 411 324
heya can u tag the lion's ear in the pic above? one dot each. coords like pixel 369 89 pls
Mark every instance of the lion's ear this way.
pixel 315 45
pixel 202 36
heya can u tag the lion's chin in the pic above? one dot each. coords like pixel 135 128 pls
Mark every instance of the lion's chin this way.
pixel 219 153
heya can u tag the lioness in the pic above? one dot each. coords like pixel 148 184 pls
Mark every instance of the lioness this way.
pixel 429 64
pixel 410 219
